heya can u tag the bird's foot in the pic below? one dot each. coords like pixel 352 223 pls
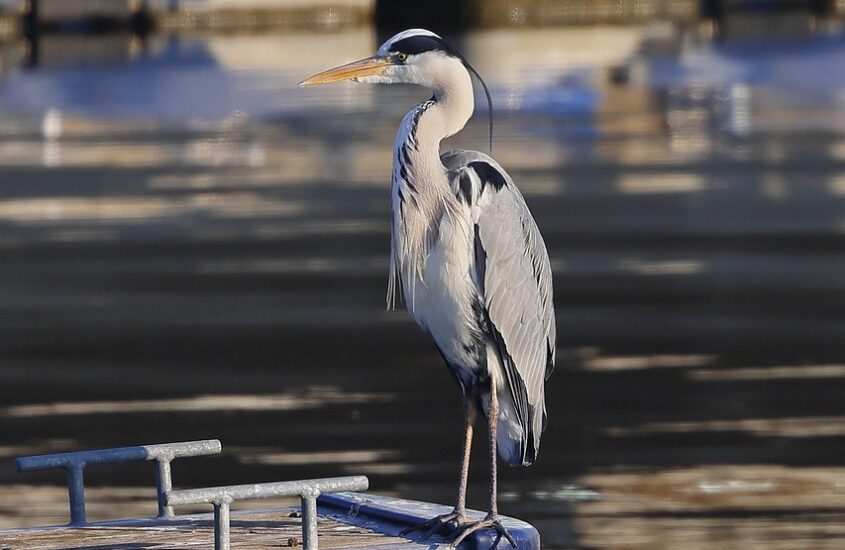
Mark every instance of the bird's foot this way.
pixel 446 524
pixel 492 521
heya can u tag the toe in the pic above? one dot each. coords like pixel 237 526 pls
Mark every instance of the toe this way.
pixel 447 523
pixel 490 522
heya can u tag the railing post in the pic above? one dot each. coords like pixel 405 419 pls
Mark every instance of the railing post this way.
pixel 76 493
pixel 309 519
pixel 307 489
pixel 221 524
pixel 163 485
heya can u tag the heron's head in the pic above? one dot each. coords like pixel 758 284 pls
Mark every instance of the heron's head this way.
pixel 415 56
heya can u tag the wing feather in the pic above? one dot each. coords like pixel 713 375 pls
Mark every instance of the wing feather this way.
pixel 515 284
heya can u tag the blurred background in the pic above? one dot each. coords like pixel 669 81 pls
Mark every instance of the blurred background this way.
pixel 193 247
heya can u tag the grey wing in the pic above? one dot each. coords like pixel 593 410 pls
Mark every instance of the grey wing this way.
pixel 514 278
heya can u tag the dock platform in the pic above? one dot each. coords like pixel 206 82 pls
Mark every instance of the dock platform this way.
pixel 331 514
pixel 345 520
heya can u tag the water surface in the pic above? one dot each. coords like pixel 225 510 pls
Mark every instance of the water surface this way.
pixel 192 246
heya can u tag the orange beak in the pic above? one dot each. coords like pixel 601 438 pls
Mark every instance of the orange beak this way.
pixel 369 66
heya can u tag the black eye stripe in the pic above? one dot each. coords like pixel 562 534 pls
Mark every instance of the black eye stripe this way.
pixel 421 43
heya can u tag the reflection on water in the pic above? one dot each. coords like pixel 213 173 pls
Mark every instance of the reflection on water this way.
pixel 192 246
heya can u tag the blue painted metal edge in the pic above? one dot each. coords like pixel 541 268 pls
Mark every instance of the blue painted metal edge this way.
pixel 400 513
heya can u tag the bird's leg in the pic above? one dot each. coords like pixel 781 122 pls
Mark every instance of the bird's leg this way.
pixel 469 415
pixel 494 428
pixel 457 517
pixel 492 520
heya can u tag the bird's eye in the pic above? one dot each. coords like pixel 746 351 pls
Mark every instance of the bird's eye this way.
pixel 401 56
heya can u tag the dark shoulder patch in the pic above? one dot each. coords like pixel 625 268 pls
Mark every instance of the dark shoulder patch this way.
pixel 465 187
pixel 489 175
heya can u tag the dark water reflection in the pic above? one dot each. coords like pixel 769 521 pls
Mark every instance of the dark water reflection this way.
pixel 194 247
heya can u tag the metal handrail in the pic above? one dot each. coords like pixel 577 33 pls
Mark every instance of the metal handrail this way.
pixel 308 490
pixel 74 464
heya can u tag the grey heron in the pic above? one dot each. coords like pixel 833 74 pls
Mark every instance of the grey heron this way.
pixel 472 265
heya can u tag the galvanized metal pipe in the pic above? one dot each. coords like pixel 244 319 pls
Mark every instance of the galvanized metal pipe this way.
pixel 308 490
pixel 74 464
pixel 308 503
pixel 266 490
pixel 169 451
pixel 164 484
pixel 221 525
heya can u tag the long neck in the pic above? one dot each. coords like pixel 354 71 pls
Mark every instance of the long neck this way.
pixel 426 125
pixel 452 108
pixel 421 192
